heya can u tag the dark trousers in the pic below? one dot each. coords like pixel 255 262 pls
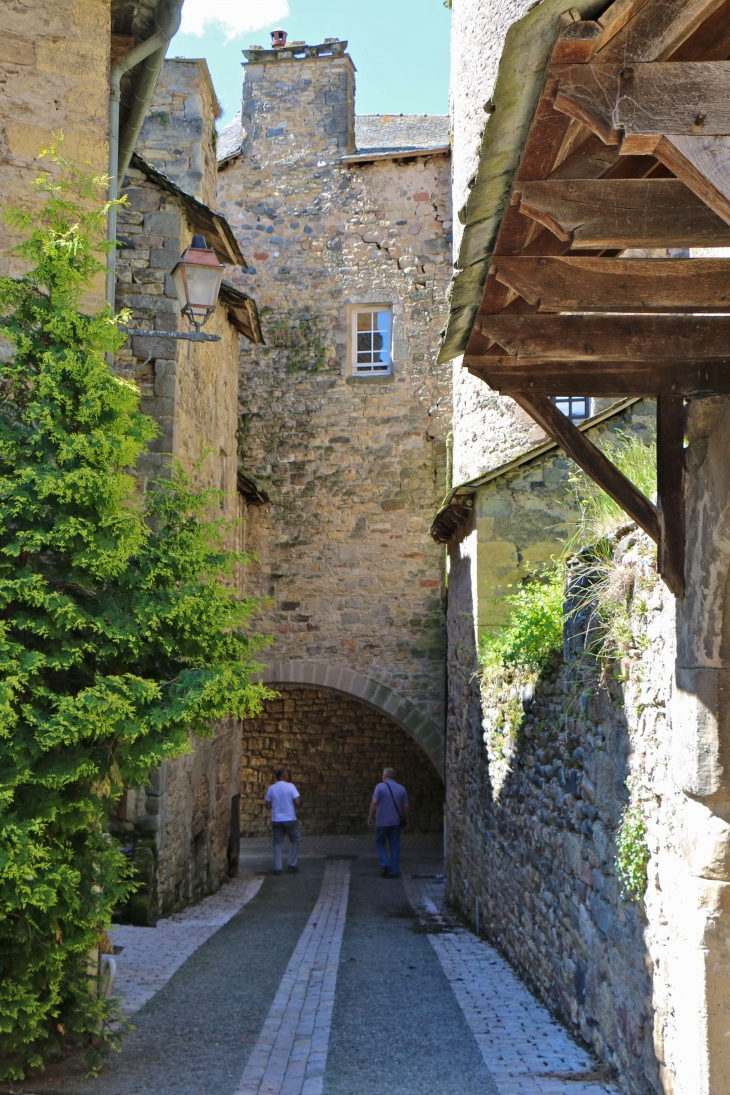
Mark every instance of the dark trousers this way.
pixel 391 833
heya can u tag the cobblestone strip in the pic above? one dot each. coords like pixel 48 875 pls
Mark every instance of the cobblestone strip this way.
pixel 291 1052
pixel 526 1051
pixel 152 955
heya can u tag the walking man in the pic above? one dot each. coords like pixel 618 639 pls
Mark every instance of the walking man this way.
pixel 389 814
pixel 282 798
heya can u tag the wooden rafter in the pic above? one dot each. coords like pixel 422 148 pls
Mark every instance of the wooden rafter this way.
pixel 597 337
pixel 629 147
pixel 623 213
pixel 575 283
pixel 592 461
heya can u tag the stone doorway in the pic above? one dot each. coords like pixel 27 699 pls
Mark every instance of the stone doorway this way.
pixel 335 748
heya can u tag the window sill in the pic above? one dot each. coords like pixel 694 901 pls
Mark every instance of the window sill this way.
pixel 384 378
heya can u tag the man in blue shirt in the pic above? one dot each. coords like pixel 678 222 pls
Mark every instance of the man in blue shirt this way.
pixel 388 814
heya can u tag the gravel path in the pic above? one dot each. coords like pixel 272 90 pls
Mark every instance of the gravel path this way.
pixel 397 1028
pixel 333 981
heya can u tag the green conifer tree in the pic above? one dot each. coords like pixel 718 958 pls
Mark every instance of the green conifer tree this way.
pixel 121 635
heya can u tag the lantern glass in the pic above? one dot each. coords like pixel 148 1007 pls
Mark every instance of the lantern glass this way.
pixel 197 280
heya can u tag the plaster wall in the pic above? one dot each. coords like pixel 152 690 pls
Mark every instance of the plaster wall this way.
pixel 488 429
pixel 354 465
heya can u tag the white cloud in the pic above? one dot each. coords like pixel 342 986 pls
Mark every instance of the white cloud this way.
pixel 235 17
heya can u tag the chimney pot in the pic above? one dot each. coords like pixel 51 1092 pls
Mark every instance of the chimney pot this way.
pixel 278 38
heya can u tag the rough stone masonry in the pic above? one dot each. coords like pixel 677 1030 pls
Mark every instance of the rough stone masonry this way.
pixel 353 464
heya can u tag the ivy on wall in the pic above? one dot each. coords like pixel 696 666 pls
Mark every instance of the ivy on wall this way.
pixel 299 335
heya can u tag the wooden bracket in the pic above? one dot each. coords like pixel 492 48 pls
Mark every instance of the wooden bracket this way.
pixel 600 469
pixel 670 490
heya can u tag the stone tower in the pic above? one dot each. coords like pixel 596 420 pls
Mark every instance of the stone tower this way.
pixel 344 413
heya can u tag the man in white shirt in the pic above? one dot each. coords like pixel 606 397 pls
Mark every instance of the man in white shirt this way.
pixel 282 798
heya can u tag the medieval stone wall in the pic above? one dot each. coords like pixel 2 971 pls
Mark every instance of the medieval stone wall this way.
pixel 54 77
pixel 179 826
pixel 178 133
pixel 335 749
pixel 536 787
pixel 532 821
pixel 354 465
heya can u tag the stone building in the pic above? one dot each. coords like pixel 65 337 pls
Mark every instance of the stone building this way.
pixel 533 819
pixel 184 826
pixel 344 413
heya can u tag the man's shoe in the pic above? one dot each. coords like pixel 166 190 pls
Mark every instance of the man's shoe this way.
pixel 385 872
pixel 277 872
pixel 292 870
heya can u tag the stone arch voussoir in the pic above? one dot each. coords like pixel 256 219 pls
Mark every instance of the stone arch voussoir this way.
pixel 428 734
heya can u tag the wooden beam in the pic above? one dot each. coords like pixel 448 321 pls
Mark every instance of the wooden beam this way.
pixel 577 43
pixel 685 99
pixel 585 454
pixel 616 16
pixel 703 164
pixel 656 30
pixel 574 283
pixel 609 337
pixel 711 40
pixel 621 213
pixel 670 490
pixel 600 378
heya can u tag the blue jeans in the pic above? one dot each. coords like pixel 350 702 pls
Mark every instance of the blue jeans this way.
pixel 290 829
pixel 391 833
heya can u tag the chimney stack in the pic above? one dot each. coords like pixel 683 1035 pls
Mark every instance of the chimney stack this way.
pixel 278 39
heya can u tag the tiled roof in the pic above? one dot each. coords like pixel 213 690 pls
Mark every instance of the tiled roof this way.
pixel 229 140
pixel 388 132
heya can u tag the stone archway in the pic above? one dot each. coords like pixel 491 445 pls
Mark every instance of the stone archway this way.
pixel 355 685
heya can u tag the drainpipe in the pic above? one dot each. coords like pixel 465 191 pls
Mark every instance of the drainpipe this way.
pixel 152 52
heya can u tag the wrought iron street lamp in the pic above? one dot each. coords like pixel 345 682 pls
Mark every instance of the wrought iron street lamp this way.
pixel 197 279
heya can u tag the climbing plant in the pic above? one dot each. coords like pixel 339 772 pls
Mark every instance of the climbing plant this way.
pixel 299 335
pixel 632 853
pixel 119 635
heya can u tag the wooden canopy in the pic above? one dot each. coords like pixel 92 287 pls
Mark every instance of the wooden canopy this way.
pixel 628 147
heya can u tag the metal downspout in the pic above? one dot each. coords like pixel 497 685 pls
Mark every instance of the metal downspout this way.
pixel 152 51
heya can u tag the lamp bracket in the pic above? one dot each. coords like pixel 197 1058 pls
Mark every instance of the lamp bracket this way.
pixel 189 336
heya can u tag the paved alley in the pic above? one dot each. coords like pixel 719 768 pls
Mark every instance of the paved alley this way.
pixel 329 982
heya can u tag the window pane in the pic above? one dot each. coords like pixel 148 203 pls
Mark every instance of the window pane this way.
pixel 378 341
pixel 364 342
pixel 363 358
pixel 364 321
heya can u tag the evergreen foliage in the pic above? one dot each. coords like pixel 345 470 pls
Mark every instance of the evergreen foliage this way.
pixel 120 632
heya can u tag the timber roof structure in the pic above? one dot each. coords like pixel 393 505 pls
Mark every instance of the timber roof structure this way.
pixel 610 132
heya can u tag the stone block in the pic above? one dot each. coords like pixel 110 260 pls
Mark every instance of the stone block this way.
pixel 163 224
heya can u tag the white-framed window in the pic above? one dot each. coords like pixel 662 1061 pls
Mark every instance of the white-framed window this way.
pixel 372 340
pixel 575 407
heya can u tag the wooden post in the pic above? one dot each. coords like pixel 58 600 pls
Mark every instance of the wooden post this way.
pixel 670 490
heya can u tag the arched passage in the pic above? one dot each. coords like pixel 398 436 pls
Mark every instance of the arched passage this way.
pixel 335 747
pixel 336 678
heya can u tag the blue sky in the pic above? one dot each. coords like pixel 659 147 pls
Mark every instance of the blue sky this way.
pixel 400 47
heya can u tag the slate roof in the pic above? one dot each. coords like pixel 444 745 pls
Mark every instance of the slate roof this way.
pixel 374 133
pixel 229 140
pixel 214 226
pixel 395 132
